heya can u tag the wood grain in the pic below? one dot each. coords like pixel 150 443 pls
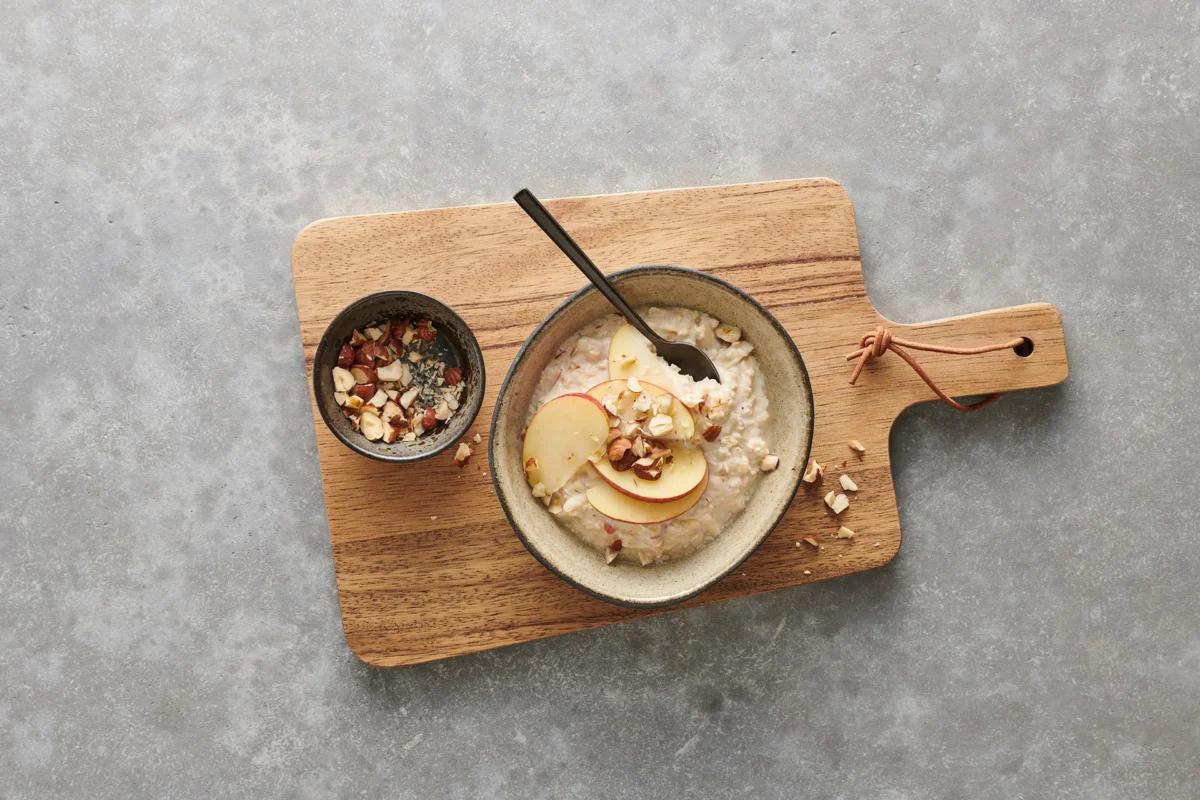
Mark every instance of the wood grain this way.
pixel 426 564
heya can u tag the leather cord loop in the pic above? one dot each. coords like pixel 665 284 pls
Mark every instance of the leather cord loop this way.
pixel 875 343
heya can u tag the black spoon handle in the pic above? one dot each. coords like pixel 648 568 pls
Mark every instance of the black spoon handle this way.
pixel 538 213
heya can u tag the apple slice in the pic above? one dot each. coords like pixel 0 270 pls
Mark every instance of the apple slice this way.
pixel 623 508
pixel 631 354
pixel 560 437
pixel 687 470
pixel 684 424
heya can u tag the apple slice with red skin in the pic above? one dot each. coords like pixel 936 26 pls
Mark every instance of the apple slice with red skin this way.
pixel 623 508
pixel 684 422
pixel 686 470
pixel 560 438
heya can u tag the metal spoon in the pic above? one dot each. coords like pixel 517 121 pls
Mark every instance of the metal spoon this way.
pixel 690 359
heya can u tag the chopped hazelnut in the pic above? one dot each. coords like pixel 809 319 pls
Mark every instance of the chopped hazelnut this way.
pixel 343 380
pixel 660 425
pixel 728 333
pixel 372 427
pixel 406 399
pixel 618 447
pixel 390 411
pixel 642 404
pixel 391 372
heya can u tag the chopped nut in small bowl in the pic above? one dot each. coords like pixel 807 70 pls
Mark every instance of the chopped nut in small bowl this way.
pixel 398 377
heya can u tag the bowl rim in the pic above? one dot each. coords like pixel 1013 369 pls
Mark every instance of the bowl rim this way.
pixel 519 357
pixel 471 343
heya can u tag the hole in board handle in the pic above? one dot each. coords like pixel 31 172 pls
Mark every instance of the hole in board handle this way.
pixel 1025 348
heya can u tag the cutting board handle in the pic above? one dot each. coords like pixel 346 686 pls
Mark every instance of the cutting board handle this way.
pixel 966 375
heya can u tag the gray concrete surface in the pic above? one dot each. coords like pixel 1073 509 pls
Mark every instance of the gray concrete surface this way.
pixel 168 621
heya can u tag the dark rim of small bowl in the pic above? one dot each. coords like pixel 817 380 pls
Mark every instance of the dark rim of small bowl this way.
pixel 519 357
pixel 470 344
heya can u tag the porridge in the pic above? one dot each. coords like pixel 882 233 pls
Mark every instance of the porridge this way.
pixel 639 461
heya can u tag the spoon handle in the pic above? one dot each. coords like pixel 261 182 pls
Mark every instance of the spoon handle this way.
pixel 538 213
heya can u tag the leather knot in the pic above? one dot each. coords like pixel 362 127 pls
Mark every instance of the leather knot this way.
pixel 877 341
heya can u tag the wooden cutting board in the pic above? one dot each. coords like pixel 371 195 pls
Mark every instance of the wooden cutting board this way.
pixel 427 566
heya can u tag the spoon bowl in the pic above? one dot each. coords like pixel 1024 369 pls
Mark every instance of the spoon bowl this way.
pixel 690 359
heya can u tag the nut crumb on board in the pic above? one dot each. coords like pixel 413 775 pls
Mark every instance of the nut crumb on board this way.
pixel 857 446
pixel 837 502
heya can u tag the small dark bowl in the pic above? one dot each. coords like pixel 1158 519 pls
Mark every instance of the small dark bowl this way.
pixel 458 348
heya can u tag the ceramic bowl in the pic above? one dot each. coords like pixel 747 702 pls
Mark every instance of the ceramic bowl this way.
pixel 789 434
pixel 456 345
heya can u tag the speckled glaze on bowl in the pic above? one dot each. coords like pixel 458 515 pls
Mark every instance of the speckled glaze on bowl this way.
pixel 462 351
pixel 789 432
